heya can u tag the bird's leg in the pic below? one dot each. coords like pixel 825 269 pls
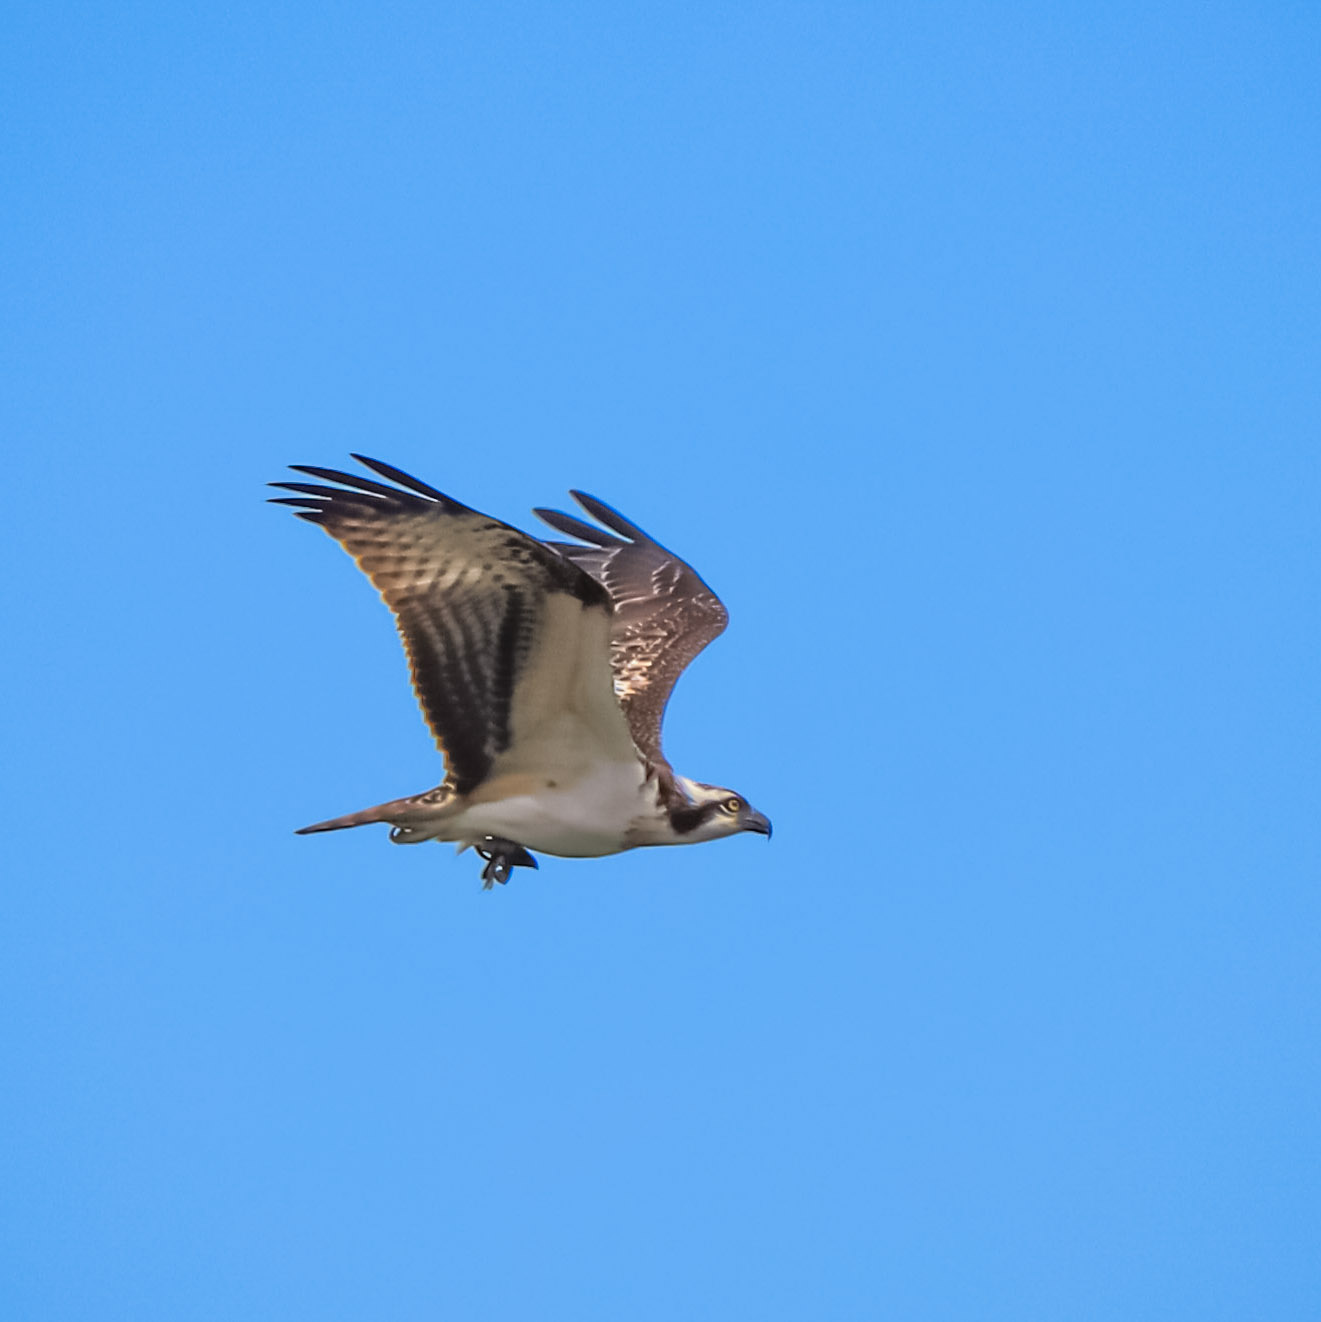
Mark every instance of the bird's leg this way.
pixel 496 869
pixel 502 857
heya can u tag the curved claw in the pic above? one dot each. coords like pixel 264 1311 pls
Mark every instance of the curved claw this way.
pixel 496 869
pixel 502 857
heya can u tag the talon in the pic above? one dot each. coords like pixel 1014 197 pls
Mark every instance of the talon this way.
pixel 502 857
pixel 497 869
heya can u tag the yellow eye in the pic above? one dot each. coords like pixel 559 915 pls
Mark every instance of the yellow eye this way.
pixel 734 805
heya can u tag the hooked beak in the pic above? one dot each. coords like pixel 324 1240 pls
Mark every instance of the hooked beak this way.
pixel 756 821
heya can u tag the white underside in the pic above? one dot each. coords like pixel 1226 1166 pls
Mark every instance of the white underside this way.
pixel 609 808
pixel 588 818
pixel 572 781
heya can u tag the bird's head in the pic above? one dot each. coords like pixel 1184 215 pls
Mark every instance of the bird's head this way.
pixel 713 811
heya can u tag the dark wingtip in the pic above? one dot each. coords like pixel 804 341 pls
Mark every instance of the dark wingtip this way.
pixel 608 515
pixel 406 480
pixel 314 511
pixel 572 527
pixel 366 491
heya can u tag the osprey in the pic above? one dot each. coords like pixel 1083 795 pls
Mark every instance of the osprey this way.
pixel 543 669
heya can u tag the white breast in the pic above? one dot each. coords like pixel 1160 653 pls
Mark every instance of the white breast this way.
pixel 585 818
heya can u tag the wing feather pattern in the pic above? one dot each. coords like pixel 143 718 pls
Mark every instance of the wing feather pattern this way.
pixel 473 600
pixel 664 614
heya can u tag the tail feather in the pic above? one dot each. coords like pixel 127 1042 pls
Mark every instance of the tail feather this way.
pixel 396 812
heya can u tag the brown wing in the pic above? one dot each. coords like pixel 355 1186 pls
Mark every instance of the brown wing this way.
pixel 664 613
pixel 473 598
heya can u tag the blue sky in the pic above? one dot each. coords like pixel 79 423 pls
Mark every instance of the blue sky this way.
pixel 970 352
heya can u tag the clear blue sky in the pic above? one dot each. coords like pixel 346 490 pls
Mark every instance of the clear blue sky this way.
pixel 971 353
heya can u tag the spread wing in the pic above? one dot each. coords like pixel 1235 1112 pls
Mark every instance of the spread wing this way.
pixel 664 614
pixel 506 640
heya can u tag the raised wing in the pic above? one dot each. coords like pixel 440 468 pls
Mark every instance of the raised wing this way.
pixel 507 641
pixel 664 613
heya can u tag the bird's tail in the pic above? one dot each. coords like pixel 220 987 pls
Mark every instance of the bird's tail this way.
pixel 398 812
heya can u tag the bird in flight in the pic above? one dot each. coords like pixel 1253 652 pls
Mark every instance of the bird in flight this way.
pixel 543 669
